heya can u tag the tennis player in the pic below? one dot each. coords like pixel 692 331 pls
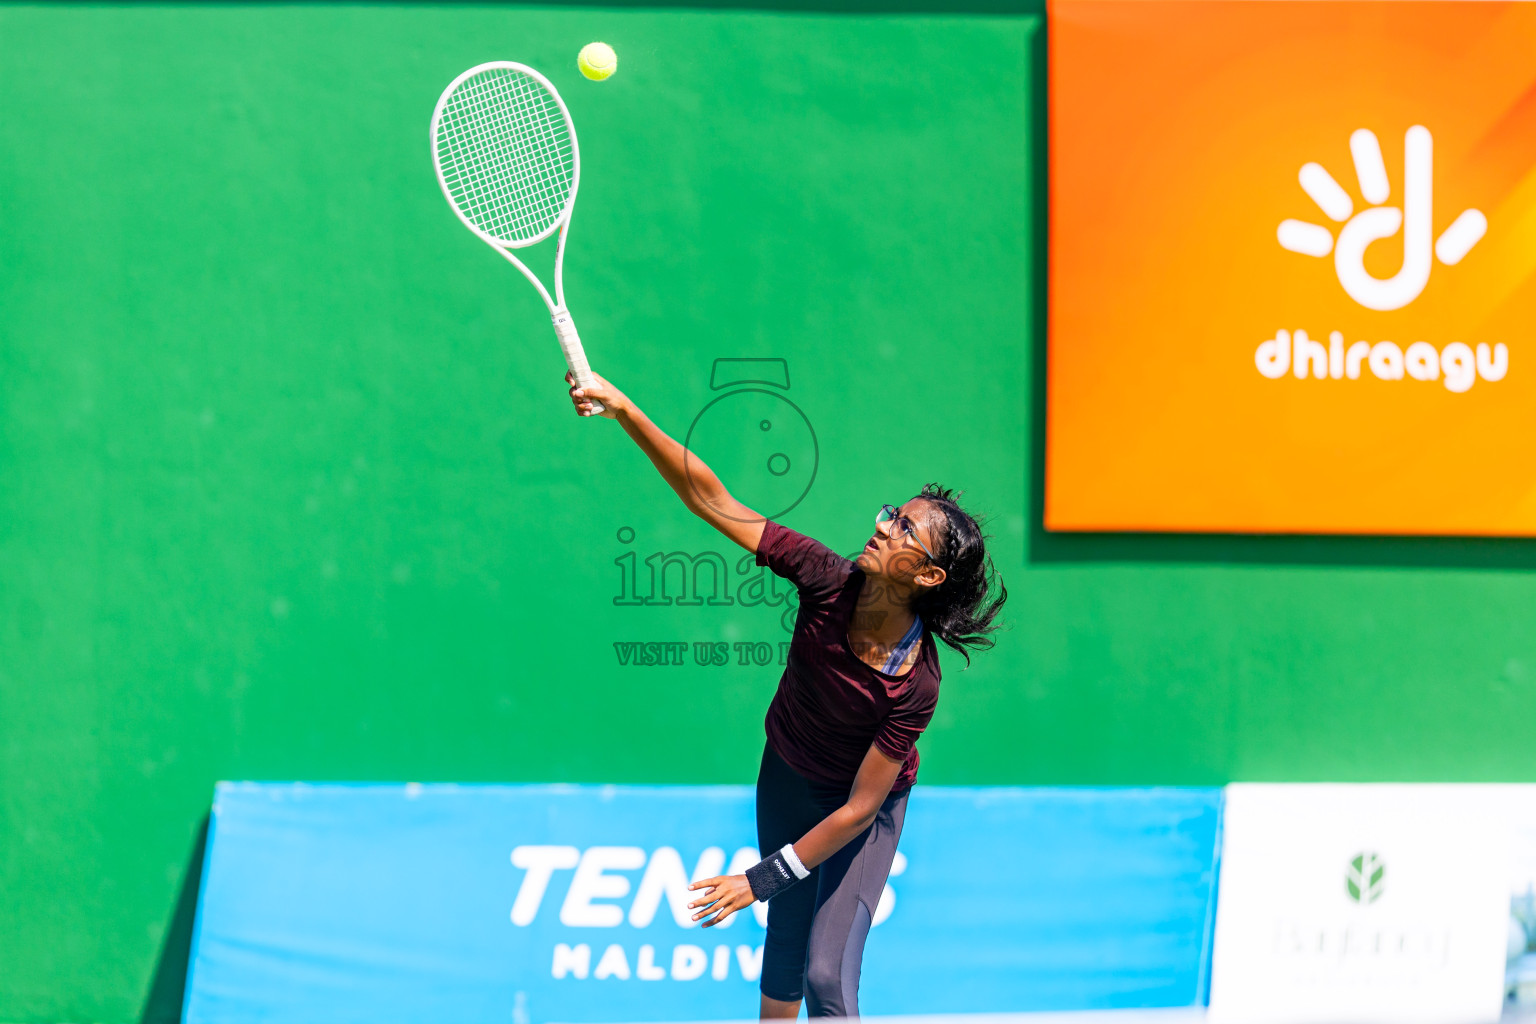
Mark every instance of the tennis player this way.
pixel 861 684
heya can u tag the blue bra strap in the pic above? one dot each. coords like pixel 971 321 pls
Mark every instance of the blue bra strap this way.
pixel 903 647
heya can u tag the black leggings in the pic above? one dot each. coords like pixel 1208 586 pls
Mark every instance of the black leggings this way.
pixel 817 927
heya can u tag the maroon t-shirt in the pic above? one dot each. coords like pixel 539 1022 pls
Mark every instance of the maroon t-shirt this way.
pixel 830 705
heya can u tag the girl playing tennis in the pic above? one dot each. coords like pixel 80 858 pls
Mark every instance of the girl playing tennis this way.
pixel 860 686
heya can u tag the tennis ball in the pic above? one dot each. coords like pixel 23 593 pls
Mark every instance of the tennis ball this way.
pixel 597 61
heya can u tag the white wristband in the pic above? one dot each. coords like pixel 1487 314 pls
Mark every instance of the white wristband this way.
pixel 793 861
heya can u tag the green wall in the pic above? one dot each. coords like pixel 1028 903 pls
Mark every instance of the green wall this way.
pixel 289 486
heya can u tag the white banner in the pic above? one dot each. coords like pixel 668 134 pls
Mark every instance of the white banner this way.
pixel 1356 904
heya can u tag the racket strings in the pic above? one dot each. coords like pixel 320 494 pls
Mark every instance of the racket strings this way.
pixel 509 157
pixel 526 146
pixel 505 151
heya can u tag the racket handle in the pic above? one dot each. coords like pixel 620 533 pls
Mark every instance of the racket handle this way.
pixel 575 356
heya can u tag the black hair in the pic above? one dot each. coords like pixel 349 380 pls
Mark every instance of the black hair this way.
pixel 961 611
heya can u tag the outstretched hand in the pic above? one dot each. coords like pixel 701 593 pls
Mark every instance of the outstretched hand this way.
pixel 611 397
pixel 725 895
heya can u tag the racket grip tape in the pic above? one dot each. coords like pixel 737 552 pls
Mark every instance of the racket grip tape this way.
pixel 575 356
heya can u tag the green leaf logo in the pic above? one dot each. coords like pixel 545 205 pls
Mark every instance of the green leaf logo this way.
pixel 1363 880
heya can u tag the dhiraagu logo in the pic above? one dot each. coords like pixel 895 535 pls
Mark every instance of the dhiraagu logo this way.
pixel 1364 878
pixel 1415 217
pixel 1457 364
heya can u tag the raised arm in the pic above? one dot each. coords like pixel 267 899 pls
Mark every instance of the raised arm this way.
pixel 687 475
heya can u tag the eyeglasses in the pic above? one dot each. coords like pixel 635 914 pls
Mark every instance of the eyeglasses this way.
pixel 901 526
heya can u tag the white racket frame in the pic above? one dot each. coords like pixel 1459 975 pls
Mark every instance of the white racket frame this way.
pixel 565 328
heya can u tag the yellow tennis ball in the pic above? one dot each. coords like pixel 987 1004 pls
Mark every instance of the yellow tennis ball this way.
pixel 597 61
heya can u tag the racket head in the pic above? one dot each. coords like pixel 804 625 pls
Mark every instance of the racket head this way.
pixel 505 153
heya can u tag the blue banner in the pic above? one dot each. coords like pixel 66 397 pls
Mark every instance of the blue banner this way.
pixel 408 903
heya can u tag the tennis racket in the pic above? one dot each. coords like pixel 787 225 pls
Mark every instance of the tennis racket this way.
pixel 506 157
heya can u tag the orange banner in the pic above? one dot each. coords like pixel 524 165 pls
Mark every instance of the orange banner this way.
pixel 1292 267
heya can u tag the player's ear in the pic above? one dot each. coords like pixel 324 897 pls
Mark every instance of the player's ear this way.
pixel 930 576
